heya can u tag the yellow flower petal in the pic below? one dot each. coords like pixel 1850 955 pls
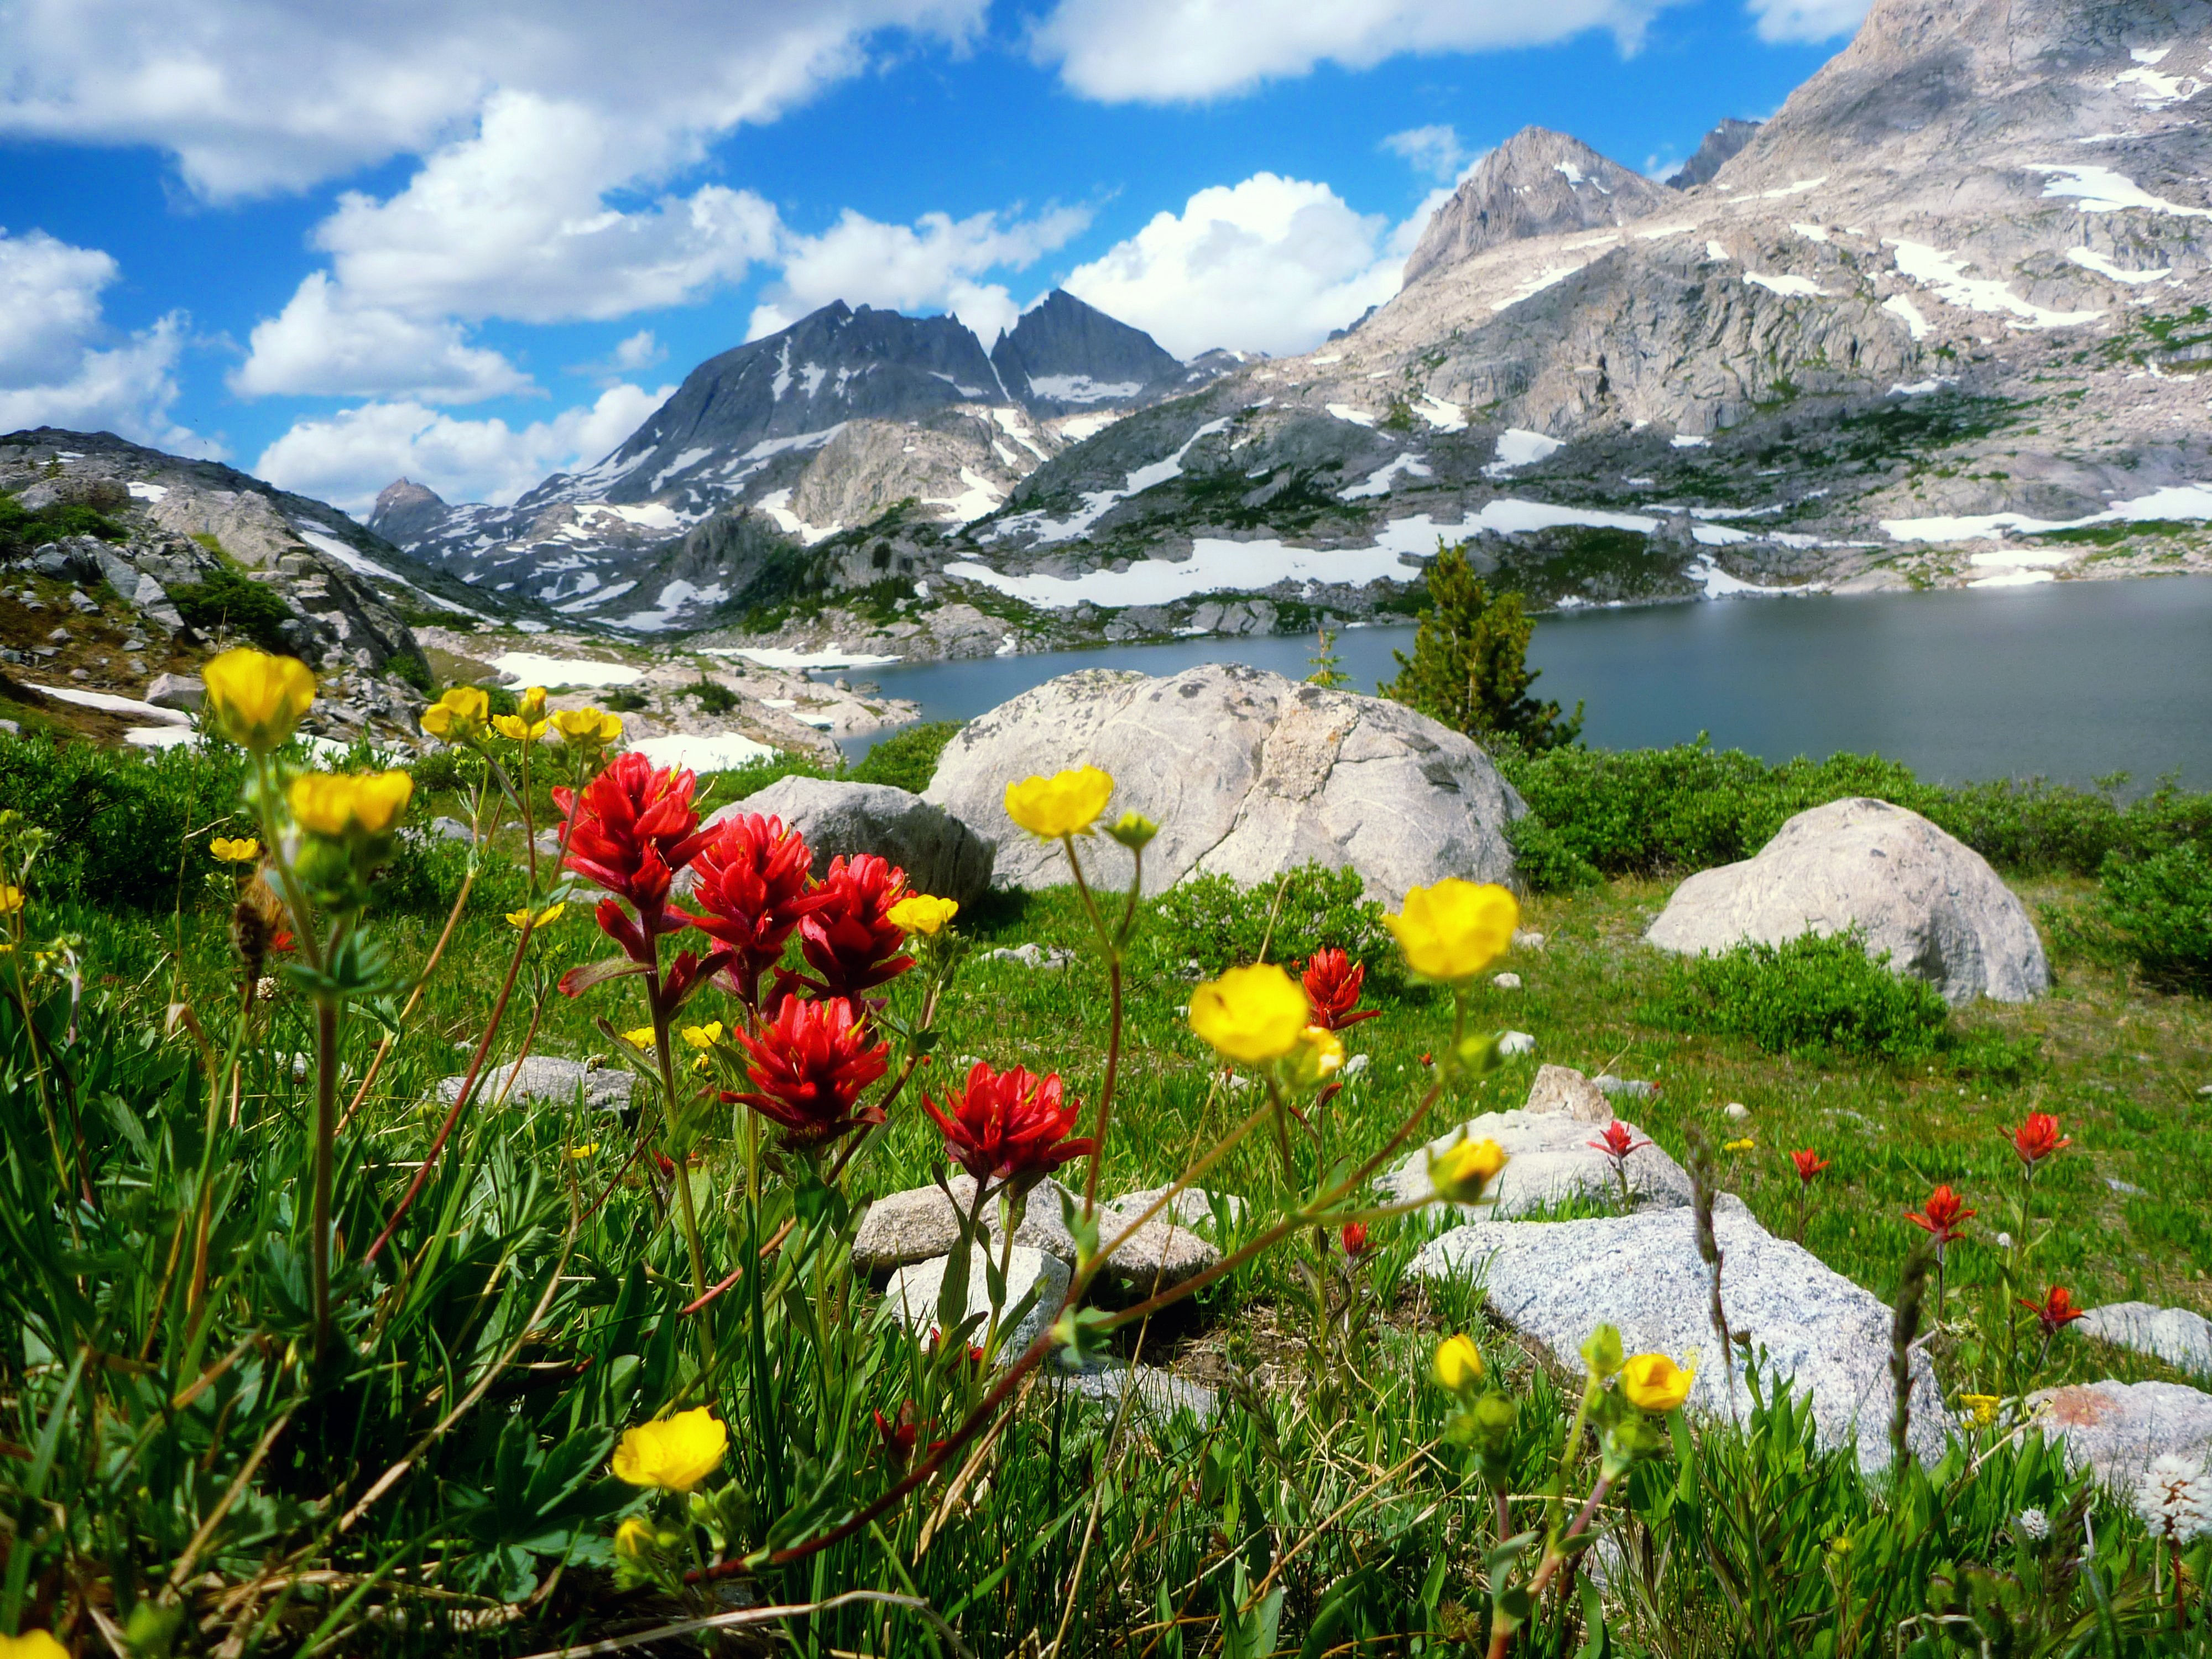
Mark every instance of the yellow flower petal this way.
pixel 1462 1170
pixel 587 728
pixel 531 705
pixel 703 1037
pixel 1744 1145
pixel 1065 804
pixel 1454 929
pixel 11 899
pixel 255 700
pixel 674 1454
pixel 1318 1056
pixel 339 806
pixel 1251 1014
pixel 584 1150
pixel 244 850
pixel 514 726
pixel 1458 1365
pixel 1654 1383
pixel 32 1645
pixel 642 1037
pixel 458 715
pixel 920 913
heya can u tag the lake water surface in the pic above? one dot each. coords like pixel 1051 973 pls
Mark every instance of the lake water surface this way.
pixel 2067 680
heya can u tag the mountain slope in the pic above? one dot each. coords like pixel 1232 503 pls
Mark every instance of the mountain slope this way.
pixel 1535 183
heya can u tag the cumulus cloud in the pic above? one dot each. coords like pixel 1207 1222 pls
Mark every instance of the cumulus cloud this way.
pixel 327 343
pixel 60 364
pixel 1270 265
pixel 1809 21
pixel 346 458
pixel 934 264
pixel 1435 151
pixel 279 94
pixel 1173 50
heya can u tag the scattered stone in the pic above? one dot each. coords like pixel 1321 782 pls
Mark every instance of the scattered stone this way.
pixel 913 1291
pixel 59 636
pixel 1736 1111
pixel 2179 1337
pixel 1549 1162
pixel 939 852
pixel 451 829
pixel 1555 1282
pixel 1514 1043
pixel 185 691
pixel 81 675
pixel 1933 904
pixel 1506 981
pixel 1247 773
pixel 1032 956
pixel 2125 1188
pixel 1147 1387
pixel 1524 940
pixel 1194 1206
pixel 1359 1063
pixel 14 730
pixel 547 1078
pixel 2118 1428
pixel 1563 1089
pixel 1634 1088
pixel 83 602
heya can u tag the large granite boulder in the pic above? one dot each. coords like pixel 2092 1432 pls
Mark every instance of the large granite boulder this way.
pixel 1549 1163
pixel 1247 773
pixel 939 852
pixel 1933 904
pixel 1555 1282
pixel 2117 1429
pixel 2179 1336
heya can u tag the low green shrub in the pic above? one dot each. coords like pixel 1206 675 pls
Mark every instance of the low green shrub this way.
pixel 2161 907
pixel 129 830
pixel 624 701
pixel 712 698
pixel 907 760
pixel 1216 922
pixel 425 875
pixel 1807 995
pixel 22 530
pixel 223 602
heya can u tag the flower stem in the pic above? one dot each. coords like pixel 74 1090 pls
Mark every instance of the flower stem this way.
pixel 326 1090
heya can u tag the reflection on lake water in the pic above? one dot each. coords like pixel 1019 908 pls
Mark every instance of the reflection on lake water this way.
pixel 2066 680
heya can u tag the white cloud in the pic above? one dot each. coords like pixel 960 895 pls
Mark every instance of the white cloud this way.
pixel 326 342
pixel 1435 151
pixel 1170 51
pixel 640 350
pixel 257 96
pixel 1270 265
pixel 57 366
pixel 934 264
pixel 1811 21
pixel 346 458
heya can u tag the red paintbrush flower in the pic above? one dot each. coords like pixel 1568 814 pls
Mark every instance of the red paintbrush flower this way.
pixel 1617 1142
pixel 630 830
pixel 808 1066
pixel 2037 1138
pixel 2056 1311
pixel 1332 981
pixel 1944 1218
pixel 1009 1125
pixel 1355 1238
pixel 752 886
pixel 850 941
pixel 1810 1163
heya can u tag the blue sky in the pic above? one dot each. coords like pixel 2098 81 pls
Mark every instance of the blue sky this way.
pixel 474 241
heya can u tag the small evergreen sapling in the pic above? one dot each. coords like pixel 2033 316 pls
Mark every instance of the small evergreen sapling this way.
pixel 1469 668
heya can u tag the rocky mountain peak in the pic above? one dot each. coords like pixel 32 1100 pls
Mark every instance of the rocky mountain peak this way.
pixel 1537 183
pixel 1719 147
pixel 1062 354
pixel 405 509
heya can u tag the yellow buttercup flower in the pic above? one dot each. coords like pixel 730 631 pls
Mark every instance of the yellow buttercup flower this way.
pixel 1254 1014
pixel 513 725
pixel 255 699
pixel 546 918
pixel 459 715
pixel 1065 804
pixel 642 1037
pixel 342 805
pixel 1458 1365
pixel 1744 1145
pixel 703 1037
pixel 246 850
pixel 1462 1170
pixel 531 705
pixel 584 1150
pixel 1984 1407
pixel 1454 929
pixel 11 899
pixel 1318 1056
pixel 587 728
pixel 32 1645
pixel 920 913
pixel 1653 1382
pixel 674 1454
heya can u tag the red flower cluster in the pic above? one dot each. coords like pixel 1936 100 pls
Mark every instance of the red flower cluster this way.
pixel 1617 1142
pixel 2056 1311
pixel 1332 981
pixel 752 885
pixel 850 940
pixel 630 830
pixel 1009 1125
pixel 2038 1138
pixel 809 1066
pixel 1944 1219
pixel 1355 1238
pixel 899 1435
pixel 1810 1163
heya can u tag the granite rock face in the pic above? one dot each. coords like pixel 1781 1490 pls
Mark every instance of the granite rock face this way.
pixel 550 1081
pixel 940 853
pixel 2178 1336
pixel 1248 774
pixel 1537 183
pixel 1551 1163
pixel 2118 1428
pixel 1933 904
pixel 914 1291
pixel 1555 1282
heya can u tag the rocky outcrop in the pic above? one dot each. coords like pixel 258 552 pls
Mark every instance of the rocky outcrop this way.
pixel 940 853
pixel 1929 902
pixel 2116 1429
pixel 1537 183
pixel 1719 146
pixel 2179 1336
pixel 406 511
pixel 1247 774
pixel 1062 355
pixel 1551 1163
pixel 1555 1282
pixel 548 1080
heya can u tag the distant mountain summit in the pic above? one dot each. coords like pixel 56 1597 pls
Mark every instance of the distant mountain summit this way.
pixel 1537 183
pixel 1719 147
pixel 1063 355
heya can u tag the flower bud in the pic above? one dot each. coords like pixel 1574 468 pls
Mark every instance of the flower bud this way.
pixel 1457 1366
pixel 1602 1353
pixel 1134 831
pixel 1462 1170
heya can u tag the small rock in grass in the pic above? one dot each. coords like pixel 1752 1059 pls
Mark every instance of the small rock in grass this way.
pixel 1355 1066
pixel 1524 940
pixel 1162 1394
pixel 2177 1335
pixel 1634 1088
pixel 1032 956
pixel 1563 1089
pixel 2118 1428
pixel 1506 981
pixel 451 829
pixel 547 1078
pixel 59 636
pixel 914 1293
pixel 1516 1042
pixel 2127 1188
pixel 14 729
pixel 1736 1111
pixel 1193 1205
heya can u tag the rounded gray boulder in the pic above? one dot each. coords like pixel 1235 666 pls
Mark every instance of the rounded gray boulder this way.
pixel 1932 903
pixel 1248 774
pixel 940 853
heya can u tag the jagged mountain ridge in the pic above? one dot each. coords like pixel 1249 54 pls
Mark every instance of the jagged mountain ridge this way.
pixel 1716 148
pixel 821 426
pixel 1536 183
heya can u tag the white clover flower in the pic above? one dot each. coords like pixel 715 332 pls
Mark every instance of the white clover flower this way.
pixel 2175 1499
pixel 2033 1525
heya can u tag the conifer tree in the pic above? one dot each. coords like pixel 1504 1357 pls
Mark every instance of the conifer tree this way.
pixel 1469 668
